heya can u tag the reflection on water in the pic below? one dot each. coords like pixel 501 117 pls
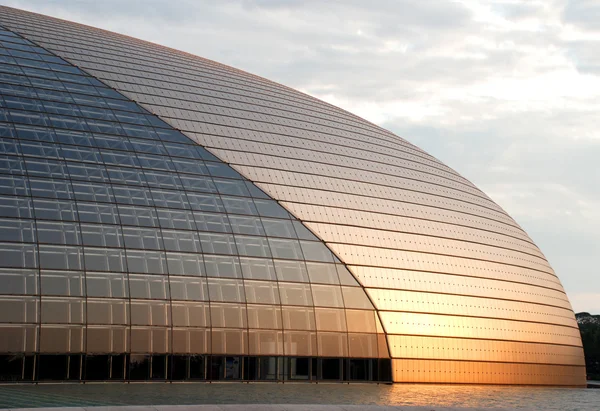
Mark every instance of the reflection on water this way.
pixel 12 396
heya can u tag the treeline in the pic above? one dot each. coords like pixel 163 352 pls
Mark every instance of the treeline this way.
pixel 589 326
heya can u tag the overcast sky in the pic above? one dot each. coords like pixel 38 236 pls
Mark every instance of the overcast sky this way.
pixel 506 92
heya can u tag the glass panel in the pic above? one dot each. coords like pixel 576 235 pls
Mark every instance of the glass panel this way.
pixel 192 340
pixel 283 248
pixel 231 187
pixel 246 225
pixel 113 285
pixel 355 297
pixel 330 319
pixel 15 281
pixel 298 318
pixel 361 321
pixel 179 219
pixel 212 222
pixel 258 268
pixel 363 345
pixel 16 207
pixel 229 341
pixel 144 238
pixel 108 311
pixel 62 310
pixel 102 235
pixel 316 251
pixel 149 313
pixel 302 232
pixel 279 228
pixel 55 210
pixel 239 205
pixel 148 340
pixel 18 255
pixel 181 241
pixel 270 208
pixel 222 266
pixel 263 342
pixel 261 292
pixel 300 343
pixel 333 344
pixel 66 283
pixel 153 262
pixel 205 202
pixel 19 309
pixel 291 271
pixel 187 314
pixel 98 213
pixel 265 317
pixel 225 290
pixel 228 315
pixel 55 257
pixel 322 273
pixel 252 246
pixel 148 286
pixel 346 278
pixel 295 294
pixel 138 216
pixel 23 231
pixel 217 243
pixel 185 264
pixel 61 339
pixel 328 295
pixel 100 259
pixel 188 288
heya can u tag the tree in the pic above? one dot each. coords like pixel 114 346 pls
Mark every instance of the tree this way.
pixel 589 327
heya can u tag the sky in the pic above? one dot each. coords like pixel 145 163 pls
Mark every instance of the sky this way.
pixel 506 92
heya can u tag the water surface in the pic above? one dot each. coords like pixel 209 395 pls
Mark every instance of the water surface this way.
pixel 53 395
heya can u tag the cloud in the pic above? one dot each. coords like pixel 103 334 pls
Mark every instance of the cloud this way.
pixel 582 13
pixel 503 91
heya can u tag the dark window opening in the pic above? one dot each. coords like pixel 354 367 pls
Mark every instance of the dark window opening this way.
pixel 144 367
pixel 97 367
pixel 139 367
pixel 331 369
pixel 11 368
pixel 53 367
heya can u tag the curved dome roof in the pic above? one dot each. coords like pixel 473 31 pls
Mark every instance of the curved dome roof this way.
pixel 463 294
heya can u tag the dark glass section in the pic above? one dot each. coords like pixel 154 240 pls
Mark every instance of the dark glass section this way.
pixel 331 369
pixel 29 367
pixel 139 367
pixel 179 367
pixel 97 367
pixel 52 367
pixel 118 364
pixel 197 368
pixel 11 368
pixel 299 369
pixel 159 367
pixel 75 367
pixel 384 369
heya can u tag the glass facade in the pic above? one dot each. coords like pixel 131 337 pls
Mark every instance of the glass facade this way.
pixel 167 217
pixel 126 246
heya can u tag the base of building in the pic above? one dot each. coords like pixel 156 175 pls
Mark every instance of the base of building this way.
pixel 23 368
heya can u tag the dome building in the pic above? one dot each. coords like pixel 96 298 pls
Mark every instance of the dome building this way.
pixel 166 217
